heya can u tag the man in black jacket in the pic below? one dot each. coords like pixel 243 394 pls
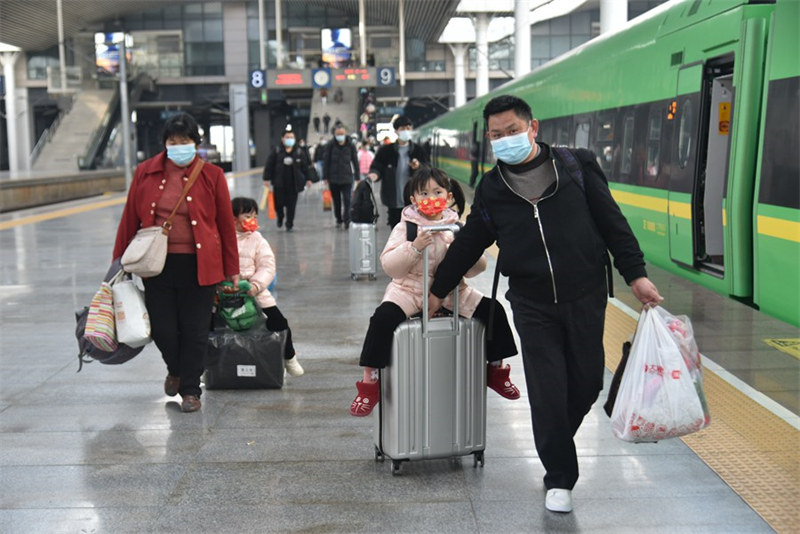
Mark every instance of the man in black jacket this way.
pixel 288 171
pixel 552 233
pixel 393 164
pixel 341 170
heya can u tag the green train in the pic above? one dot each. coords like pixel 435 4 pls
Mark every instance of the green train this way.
pixel 692 110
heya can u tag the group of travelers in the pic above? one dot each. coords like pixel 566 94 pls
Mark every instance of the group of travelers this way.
pixel 553 229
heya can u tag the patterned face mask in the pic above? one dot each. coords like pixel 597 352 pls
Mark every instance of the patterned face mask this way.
pixel 250 225
pixel 430 207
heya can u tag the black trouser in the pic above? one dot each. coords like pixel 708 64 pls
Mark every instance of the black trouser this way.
pixel 377 350
pixel 341 195
pixel 180 312
pixel 394 216
pixel 276 322
pixel 562 351
pixel 285 205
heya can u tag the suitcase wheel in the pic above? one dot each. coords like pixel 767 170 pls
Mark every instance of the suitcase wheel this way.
pixel 396 467
pixel 477 457
pixel 353 276
pixel 372 277
pixel 378 455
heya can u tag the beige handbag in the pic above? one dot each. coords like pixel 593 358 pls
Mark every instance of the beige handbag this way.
pixel 147 251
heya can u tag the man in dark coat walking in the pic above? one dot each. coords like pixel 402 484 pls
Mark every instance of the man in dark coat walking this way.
pixel 341 170
pixel 287 171
pixel 393 164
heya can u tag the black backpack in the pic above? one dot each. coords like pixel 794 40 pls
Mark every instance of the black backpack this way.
pixel 363 208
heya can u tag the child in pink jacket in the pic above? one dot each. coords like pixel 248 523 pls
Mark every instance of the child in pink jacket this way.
pixel 257 266
pixel 431 191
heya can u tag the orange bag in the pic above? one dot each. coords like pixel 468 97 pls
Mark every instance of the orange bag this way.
pixel 327 198
pixel 271 213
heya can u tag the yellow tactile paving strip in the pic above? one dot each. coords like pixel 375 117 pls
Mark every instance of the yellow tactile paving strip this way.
pixel 755 452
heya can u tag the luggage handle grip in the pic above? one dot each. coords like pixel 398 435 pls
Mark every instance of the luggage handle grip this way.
pixel 426 288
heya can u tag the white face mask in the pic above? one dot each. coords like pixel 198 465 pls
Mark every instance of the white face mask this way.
pixel 404 135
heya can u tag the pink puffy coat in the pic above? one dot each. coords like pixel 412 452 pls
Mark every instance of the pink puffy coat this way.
pixel 404 265
pixel 257 265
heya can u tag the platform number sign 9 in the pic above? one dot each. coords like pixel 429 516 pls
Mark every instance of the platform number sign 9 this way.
pixel 258 79
pixel 386 76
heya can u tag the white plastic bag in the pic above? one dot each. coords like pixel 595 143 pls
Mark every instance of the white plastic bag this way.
pixel 130 313
pixel 659 396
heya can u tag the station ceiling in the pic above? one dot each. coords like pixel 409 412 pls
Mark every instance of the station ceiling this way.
pixel 32 24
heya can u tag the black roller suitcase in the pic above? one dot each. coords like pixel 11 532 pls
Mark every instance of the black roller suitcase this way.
pixel 250 359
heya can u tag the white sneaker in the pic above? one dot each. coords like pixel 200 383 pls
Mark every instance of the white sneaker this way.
pixel 558 500
pixel 293 367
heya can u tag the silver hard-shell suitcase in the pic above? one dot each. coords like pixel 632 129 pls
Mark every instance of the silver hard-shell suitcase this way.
pixel 363 250
pixel 433 395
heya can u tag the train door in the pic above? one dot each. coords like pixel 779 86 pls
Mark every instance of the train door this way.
pixel 711 184
pixel 702 111
pixel 684 110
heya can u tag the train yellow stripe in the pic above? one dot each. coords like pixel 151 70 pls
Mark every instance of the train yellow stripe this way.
pixel 780 228
pixel 646 202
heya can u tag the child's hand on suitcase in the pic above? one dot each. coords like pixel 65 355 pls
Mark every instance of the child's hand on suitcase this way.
pixel 424 238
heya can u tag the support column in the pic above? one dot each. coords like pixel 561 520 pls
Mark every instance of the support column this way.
pixel 279 32
pixel 459 51
pixel 8 59
pixel 240 123
pixel 481 22
pixel 401 15
pixel 62 60
pixel 125 113
pixel 613 15
pixel 362 34
pixel 522 38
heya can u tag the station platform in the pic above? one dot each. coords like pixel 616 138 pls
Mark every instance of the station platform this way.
pixel 104 450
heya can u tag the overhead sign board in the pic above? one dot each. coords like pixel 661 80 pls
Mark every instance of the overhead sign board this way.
pixel 319 78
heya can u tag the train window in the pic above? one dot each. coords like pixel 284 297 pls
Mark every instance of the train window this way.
pixel 685 134
pixel 582 134
pixel 653 144
pixel 627 144
pixel 562 133
pixel 604 141
pixel 546 131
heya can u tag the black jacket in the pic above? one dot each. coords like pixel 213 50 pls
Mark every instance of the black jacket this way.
pixel 287 177
pixel 553 250
pixel 385 166
pixel 340 165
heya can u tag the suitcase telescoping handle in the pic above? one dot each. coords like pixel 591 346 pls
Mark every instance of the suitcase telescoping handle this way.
pixel 426 289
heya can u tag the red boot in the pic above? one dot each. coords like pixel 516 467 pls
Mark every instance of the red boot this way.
pixel 369 393
pixel 498 379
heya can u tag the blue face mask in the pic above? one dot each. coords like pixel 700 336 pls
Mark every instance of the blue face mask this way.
pixel 512 149
pixel 181 155
pixel 404 135
pixel 339 138
pixel 288 142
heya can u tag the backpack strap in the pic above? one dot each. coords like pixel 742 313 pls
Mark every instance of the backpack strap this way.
pixel 571 164
pixel 575 170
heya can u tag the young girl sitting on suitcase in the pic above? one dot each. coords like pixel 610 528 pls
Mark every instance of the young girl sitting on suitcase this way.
pixel 431 192
pixel 257 266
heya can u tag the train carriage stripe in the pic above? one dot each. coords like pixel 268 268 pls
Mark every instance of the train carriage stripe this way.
pixel 780 228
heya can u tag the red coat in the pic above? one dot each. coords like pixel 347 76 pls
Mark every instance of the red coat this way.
pixel 210 215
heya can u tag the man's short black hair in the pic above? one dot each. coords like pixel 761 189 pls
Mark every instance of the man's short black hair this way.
pixel 401 121
pixel 181 125
pixel 503 103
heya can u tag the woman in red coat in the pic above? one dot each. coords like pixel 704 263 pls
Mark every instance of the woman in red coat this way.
pixel 202 252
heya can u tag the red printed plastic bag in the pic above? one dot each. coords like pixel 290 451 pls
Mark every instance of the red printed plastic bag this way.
pixel 659 395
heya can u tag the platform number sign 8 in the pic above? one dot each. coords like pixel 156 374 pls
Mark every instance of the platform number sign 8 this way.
pixel 258 79
pixel 386 76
